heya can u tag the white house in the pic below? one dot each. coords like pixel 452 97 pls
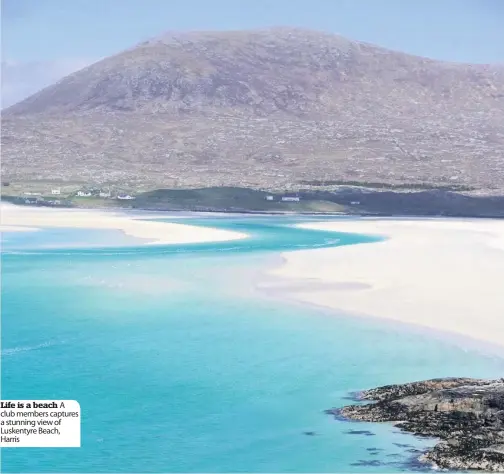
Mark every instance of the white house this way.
pixel 124 196
pixel 290 199
pixel 355 203
pixel 56 191
pixel 83 193
pixel 269 198
pixel 104 194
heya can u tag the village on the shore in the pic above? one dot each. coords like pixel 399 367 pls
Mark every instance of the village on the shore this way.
pixel 56 197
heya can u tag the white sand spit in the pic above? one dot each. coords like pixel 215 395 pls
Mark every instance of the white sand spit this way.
pixel 14 228
pixel 439 273
pixel 14 217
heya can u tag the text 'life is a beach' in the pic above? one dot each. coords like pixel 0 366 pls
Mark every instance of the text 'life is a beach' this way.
pixel 40 424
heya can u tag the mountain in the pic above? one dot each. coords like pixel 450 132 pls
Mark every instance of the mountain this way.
pixel 271 109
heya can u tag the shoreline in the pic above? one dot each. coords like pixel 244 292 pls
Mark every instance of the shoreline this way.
pixel 437 275
pixel 19 218
pixel 450 337
pixel 462 414
pixel 15 228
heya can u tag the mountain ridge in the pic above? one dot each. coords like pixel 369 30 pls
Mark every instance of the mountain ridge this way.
pixel 263 108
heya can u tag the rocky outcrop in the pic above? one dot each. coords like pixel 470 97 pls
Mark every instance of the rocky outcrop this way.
pixel 466 414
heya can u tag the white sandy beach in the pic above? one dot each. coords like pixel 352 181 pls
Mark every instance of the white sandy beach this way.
pixel 19 218
pixel 442 274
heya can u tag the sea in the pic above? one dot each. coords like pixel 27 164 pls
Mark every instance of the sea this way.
pixel 181 363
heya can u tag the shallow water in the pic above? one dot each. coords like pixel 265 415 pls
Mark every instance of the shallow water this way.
pixel 179 368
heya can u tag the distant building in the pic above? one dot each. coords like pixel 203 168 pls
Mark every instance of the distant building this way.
pixel 104 194
pixel 290 199
pixel 355 203
pixel 32 194
pixel 83 193
pixel 125 197
pixel 269 198
pixel 56 191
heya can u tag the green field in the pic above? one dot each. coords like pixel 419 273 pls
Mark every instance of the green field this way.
pixel 216 198
pixel 227 198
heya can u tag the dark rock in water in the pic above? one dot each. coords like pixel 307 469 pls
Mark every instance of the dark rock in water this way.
pixel 309 433
pixel 401 445
pixel 374 449
pixel 416 465
pixel 354 396
pixel 466 414
pixel 414 451
pixel 367 463
pixel 336 415
pixel 360 432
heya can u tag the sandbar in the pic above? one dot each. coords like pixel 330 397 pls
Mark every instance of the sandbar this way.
pixel 14 218
pixel 442 274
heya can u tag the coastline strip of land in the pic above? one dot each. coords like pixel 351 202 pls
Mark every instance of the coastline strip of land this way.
pixel 441 274
pixel 19 218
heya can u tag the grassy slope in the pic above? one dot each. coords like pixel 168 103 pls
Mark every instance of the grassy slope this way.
pixel 217 198
pixel 227 198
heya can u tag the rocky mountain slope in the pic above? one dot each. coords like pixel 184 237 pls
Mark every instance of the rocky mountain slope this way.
pixel 466 414
pixel 266 108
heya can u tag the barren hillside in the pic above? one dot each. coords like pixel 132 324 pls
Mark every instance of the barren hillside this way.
pixel 267 108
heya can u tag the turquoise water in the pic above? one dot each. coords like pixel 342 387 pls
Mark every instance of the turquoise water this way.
pixel 66 238
pixel 178 368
